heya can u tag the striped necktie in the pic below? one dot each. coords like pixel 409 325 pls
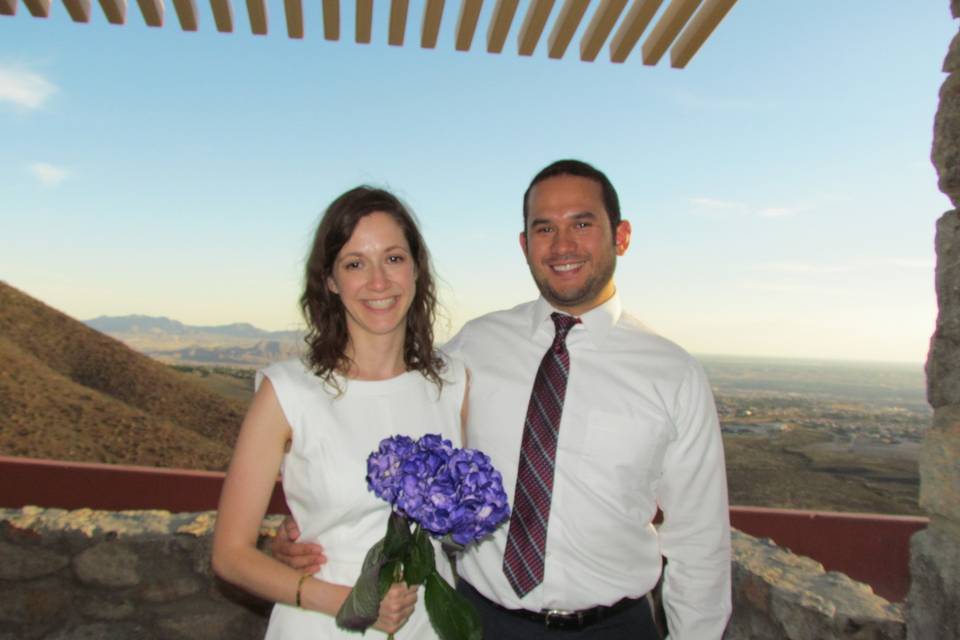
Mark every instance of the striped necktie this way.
pixel 527 537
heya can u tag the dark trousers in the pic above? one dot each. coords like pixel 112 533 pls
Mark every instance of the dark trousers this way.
pixel 633 623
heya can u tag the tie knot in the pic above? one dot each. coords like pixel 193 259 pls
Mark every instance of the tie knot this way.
pixel 563 323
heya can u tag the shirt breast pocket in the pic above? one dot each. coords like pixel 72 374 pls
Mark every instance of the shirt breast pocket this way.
pixel 621 454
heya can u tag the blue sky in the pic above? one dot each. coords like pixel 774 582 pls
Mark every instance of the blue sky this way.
pixel 780 188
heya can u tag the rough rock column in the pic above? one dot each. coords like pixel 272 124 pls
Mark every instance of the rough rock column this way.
pixel 933 605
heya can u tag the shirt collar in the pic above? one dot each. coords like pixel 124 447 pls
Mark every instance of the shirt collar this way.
pixel 597 321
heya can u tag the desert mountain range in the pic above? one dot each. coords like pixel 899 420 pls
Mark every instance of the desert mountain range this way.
pixel 171 341
pixel 69 392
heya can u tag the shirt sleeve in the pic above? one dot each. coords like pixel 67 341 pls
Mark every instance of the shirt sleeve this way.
pixel 695 534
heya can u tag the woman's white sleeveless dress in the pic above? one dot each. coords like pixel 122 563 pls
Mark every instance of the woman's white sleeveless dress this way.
pixel 324 473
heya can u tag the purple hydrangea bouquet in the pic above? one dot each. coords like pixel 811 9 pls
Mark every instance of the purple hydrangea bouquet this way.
pixel 452 494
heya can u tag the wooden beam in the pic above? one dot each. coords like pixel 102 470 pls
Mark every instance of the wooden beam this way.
pixel 222 15
pixel 571 13
pixel 152 11
pixel 599 28
pixel 257 12
pixel 8 7
pixel 38 8
pixel 432 14
pixel 467 23
pixel 114 10
pixel 293 9
pixel 398 22
pixel 533 24
pixel 331 19
pixel 667 28
pixel 186 14
pixel 632 27
pixel 697 32
pixel 500 22
pixel 364 27
pixel 79 10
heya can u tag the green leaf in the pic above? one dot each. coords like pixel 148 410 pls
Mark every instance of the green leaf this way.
pixel 362 606
pixel 388 575
pixel 419 561
pixel 452 617
pixel 398 536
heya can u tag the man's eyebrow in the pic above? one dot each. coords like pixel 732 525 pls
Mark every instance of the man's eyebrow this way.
pixel 582 215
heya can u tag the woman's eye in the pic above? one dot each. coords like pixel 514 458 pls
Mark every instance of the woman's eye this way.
pixel 351 265
pixel 395 259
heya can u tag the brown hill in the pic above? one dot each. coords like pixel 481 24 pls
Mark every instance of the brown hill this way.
pixel 68 392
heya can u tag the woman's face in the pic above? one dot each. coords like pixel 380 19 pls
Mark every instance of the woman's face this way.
pixel 375 277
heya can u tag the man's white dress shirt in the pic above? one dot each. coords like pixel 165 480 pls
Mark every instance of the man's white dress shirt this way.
pixel 639 430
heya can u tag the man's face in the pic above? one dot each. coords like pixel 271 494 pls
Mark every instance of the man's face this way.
pixel 568 243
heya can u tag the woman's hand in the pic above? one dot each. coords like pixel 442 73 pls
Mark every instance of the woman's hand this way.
pixel 396 607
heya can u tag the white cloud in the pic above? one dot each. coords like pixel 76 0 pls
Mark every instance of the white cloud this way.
pixel 49 175
pixel 24 88
pixel 779 212
pixel 783 287
pixel 713 203
pixel 800 267
pixel 704 203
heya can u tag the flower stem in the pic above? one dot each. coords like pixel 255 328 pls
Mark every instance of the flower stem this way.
pixel 397 577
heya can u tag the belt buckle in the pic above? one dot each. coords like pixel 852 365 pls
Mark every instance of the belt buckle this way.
pixel 562 619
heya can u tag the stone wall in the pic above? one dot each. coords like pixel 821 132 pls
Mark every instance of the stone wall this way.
pixel 85 575
pixel 934 599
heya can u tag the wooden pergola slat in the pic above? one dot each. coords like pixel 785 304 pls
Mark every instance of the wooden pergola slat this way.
pixel 38 8
pixel 186 14
pixel 467 23
pixel 500 22
pixel 114 10
pixel 697 32
pixel 571 13
pixel 667 28
pixel 683 27
pixel 432 15
pixel 152 11
pixel 364 26
pixel 293 9
pixel 257 12
pixel 398 22
pixel 331 19
pixel 599 28
pixel 632 27
pixel 79 10
pixel 222 15
pixel 533 24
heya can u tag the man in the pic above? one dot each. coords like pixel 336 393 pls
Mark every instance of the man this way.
pixel 618 423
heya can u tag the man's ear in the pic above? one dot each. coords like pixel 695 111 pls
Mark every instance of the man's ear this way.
pixel 622 239
pixel 523 242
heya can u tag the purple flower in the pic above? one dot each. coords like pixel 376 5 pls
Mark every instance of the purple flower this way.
pixel 447 491
pixel 383 466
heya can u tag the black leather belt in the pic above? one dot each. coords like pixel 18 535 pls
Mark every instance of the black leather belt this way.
pixel 563 619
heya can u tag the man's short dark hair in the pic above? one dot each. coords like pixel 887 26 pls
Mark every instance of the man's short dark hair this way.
pixel 583 170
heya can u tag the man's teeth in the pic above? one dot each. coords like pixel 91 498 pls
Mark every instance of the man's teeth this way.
pixel 381 304
pixel 566 267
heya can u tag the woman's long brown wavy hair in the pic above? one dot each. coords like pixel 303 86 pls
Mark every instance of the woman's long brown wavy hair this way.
pixel 327 334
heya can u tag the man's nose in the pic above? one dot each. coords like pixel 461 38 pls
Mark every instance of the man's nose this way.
pixel 563 242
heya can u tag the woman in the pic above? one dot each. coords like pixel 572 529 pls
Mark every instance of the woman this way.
pixel 371 372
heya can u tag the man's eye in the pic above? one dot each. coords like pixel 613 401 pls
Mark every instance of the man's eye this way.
pixel 543 229
pixel 583 225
